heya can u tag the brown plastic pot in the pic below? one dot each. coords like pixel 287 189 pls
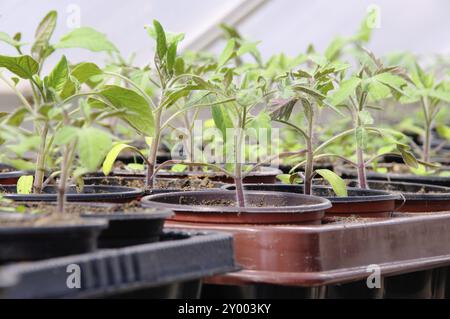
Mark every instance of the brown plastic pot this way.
pixel 11 178
pixel 416 198
pixel 359 203
pixel 262 207
pixel 335 253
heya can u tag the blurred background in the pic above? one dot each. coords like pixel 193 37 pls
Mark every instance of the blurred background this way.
pixel 290 26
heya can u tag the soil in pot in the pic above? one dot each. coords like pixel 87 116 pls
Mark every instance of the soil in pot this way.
pixel 113 194
pixel 161 185
pixel 129 224
pixel 359 203
pixel 219 206
pixel 415 197
pixel 27 237
pixel 265 175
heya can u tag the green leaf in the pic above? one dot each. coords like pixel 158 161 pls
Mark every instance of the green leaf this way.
pixel 4 37
pixel 93 144
pixel 111 157
pixel 17 117
pixel 58 76
pixel 65 135
pixel 161 42
pixel 222 119
pixel 228 53
pixel 171 37
pixel 136 167
pixel 138 115
pixel 408 157
pixel 84 71
pixel 310 91
pixel 178 168
pixel 23 66
pixel 25 184
pixel 43 34
pixel 336 182
pixel 171 56
pixel 444 131
pixel 86 38
pixel 346 89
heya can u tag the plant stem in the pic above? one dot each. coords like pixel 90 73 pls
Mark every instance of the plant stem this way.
pixel 428 129
pixel 309 169
pixel 152 159
pixel 362 178
pixel 40 162
pixel 238 180
pixel 63 181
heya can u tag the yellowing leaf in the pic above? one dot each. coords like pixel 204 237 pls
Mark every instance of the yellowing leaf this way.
pixel 25 184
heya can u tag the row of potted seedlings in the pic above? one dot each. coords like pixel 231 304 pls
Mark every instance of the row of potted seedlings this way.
pixel 96 133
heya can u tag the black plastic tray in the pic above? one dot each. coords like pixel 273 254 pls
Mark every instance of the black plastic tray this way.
pixel 181 257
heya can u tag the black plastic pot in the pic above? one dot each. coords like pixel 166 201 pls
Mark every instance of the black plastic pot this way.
pixel 27 243
pixel 415 197
pixel 220 207
pixel 407 178
pixel 172 268
pixel 90 194
pixel 360 202
pixel 130 228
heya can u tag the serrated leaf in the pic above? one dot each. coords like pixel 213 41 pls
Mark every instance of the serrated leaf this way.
pixel 139 115
pixel 336 182
pixel 58 76
pixel 25 185
pixel 84 71
pixel 86 38
pixel 23 66
pixel 346 89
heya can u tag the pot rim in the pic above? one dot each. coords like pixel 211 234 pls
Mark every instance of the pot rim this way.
pixel 160 214
pixel 377 195
pixel 87 224
pixel 120 191
pixel 321 205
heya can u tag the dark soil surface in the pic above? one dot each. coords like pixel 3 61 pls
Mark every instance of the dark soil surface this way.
pixel 44 220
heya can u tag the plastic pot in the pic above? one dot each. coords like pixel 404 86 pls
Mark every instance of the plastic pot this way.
pixel 130 228
pixel 415 197
pixel 332 260
pixel 11 178
pixel 406 178
pixel 27 243
pixel 360 202
pixel 113 194
pixel 262 207
pixel 171 268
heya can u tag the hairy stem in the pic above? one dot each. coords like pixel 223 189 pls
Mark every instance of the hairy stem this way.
pixel 40 161
pixel 152 159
